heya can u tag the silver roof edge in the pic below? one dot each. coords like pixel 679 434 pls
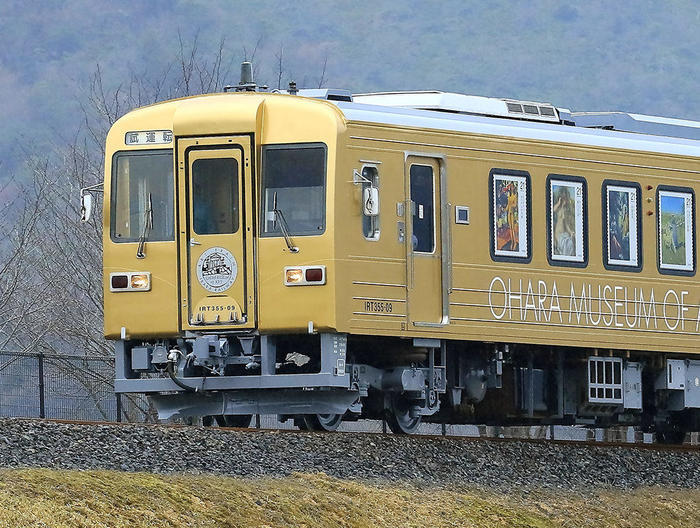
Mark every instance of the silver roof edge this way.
pixel 638 123
pixel 329 94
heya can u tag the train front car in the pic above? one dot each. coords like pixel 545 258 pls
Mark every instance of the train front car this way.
pixel 215 207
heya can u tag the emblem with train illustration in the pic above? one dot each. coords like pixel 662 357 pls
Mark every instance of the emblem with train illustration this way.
pixel 217 269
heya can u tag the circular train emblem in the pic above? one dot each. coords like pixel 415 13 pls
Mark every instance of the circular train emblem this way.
pixel 217 269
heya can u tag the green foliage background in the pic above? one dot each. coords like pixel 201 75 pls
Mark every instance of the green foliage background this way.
pixel 640 56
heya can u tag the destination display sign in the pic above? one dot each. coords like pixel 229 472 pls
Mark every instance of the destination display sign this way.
pixel 149 137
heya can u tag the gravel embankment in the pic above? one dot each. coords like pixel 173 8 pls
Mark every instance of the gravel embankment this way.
pixel 434 461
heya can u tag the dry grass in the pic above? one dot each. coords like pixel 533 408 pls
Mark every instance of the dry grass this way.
pixel 39 497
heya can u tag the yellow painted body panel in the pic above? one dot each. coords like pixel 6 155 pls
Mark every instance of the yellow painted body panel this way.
pixel 369 286
pixel 154 313
pixel 514 302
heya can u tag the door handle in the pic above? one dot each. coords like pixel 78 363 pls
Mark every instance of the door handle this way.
pixel 193 242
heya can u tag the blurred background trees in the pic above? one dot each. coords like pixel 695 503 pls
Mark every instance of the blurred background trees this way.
pixel 50 262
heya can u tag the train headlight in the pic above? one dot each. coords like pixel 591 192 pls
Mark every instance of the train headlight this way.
pixel 293 276
pixel 130 281
pixel 140 281
pixel 305 276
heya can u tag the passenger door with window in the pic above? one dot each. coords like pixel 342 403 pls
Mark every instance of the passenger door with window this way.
pixel 424 243
pixel 216 235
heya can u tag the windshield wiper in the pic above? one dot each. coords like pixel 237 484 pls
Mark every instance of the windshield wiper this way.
pixel 283 225
pixel 147 226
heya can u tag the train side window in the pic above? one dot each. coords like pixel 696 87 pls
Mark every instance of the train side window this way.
pixel 370 224
pixel 567 221
pixel 622 226
pixel 294 183
pixel 423 199
pixel 510 208
pixel 675 229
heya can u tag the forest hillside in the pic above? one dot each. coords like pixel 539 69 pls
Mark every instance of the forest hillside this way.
pixel 641 56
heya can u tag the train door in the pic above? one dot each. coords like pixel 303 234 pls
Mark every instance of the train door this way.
pixel 216 235
pixel 424 242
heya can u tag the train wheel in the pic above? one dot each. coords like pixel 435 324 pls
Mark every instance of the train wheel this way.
pixel 670 436
pixel 300 423
pixel 672 429
pixel 207 421
pixel 399 419
pixel 234 420
pixel 238 420
pixel 322 422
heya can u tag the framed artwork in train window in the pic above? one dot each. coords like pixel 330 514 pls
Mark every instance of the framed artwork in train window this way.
pixel 675 217
pixel 567 229
pixel 509 201
pixel 622 226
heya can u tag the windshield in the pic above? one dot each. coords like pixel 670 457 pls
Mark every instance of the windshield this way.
pixel 294 175
pixel 135 175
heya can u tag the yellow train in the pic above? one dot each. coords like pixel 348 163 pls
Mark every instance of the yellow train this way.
pixel 417 255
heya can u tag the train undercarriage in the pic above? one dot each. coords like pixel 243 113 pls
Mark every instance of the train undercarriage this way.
pixel 319 380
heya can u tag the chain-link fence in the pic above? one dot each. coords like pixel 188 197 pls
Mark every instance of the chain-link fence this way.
pixel 67 387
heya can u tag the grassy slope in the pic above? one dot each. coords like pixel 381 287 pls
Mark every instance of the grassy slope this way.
pixel 113 499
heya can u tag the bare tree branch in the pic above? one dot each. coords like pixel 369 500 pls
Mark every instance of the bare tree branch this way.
pixel 322 80
pixel 51 284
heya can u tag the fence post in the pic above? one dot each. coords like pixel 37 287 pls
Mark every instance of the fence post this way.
pixel 42 409
pixel 119 407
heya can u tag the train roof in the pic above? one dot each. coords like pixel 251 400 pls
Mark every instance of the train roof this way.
pixel 442 111
pixel 519 129
pixel 521 119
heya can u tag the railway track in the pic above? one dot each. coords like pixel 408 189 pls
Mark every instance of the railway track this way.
pixel 686 447
pixel 505 464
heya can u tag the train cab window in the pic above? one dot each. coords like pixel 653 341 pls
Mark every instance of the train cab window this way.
pixel 140 178
pixel 293 189
pixel 423 200
pixel 622 226
pixel 370 224
pixel 509 201
pixel 215 196
pixel 567 226
pixel 675 217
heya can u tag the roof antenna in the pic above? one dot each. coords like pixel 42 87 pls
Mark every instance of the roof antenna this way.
pixel 246 84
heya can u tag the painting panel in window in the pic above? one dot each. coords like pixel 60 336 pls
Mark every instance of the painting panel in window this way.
pixel 623 242
pixel 675 230
pixel 566 221
pixel 510 215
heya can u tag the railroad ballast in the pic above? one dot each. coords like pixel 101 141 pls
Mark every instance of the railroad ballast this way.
pixel 415 255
